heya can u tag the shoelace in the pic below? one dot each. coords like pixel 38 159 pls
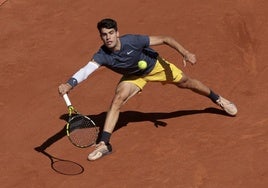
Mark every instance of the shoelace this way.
pixel 219 102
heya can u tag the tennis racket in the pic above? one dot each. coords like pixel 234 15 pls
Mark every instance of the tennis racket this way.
pixel 81 130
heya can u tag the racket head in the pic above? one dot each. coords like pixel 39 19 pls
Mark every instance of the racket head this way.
pixel 81 131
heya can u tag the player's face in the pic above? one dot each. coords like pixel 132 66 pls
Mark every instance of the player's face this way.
pixel 109 38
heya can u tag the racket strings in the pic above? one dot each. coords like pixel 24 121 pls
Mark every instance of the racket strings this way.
pixel 82 131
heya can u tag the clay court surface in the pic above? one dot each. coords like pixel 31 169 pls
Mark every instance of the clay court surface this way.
pixel 165 137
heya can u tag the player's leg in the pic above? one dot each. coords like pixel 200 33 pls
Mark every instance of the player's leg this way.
pixel 193 84
pixel 124 91
pixel 173 74
pixel 198 87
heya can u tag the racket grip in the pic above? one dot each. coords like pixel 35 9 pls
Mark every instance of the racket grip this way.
pixel 67 100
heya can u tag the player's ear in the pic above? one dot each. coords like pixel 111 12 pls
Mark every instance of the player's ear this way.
pixel 117 33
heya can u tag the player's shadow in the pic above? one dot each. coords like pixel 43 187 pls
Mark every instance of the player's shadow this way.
pixel 51 140
pixel 155 118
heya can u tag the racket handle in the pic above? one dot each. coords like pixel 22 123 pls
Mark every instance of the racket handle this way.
pixel 67 100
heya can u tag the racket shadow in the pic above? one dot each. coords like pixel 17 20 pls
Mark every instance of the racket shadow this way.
pixel 62 166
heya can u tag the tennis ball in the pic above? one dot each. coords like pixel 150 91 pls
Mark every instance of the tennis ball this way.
pixel 142 64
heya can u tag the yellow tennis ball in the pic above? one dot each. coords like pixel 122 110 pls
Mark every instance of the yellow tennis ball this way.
pixel 142 64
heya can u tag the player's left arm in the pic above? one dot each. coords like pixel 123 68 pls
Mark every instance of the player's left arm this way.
pixel 159 40
pixel 78 77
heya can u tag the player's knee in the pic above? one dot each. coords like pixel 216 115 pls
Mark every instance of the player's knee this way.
pixel 184 82
pixel 118 101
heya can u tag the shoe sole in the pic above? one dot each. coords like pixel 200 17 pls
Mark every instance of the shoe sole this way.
pixel 101 156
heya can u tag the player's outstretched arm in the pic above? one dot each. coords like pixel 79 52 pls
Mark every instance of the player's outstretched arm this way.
pixel 78 77
pixel 187 56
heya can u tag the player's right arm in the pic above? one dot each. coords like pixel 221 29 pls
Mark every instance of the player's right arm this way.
pixel 78 77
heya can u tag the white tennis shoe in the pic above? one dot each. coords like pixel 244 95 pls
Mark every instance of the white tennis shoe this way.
pixel 101 150
pixel 227 106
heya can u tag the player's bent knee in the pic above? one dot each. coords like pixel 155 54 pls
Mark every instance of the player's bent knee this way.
pixel 184 82
pixel 119 100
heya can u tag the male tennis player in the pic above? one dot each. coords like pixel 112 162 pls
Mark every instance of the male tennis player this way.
pixel 122 54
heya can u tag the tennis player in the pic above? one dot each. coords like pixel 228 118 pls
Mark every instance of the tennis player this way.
pixel 122 54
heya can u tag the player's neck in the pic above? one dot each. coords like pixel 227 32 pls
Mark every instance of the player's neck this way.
pixel 117 46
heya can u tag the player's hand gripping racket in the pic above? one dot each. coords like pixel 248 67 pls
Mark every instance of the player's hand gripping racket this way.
pixel 81 130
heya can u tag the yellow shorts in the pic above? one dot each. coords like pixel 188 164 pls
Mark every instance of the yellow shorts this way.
pixel 163 71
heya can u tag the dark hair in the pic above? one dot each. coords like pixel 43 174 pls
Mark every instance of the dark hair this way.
pixel 107 23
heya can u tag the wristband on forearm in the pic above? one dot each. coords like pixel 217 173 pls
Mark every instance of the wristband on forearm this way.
pixel 83 73
pixel 72 81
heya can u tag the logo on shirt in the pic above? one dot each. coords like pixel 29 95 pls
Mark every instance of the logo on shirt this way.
pixel 129 52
